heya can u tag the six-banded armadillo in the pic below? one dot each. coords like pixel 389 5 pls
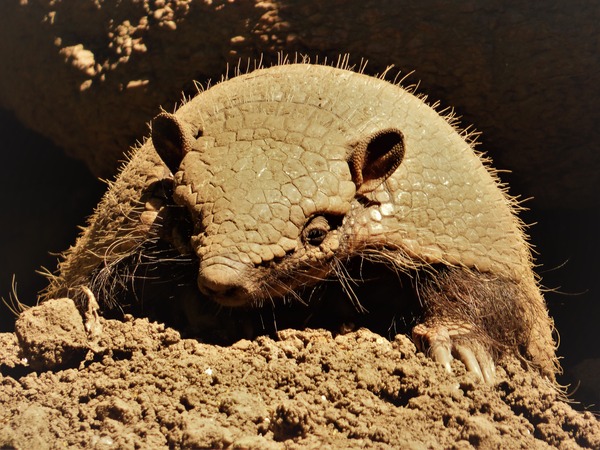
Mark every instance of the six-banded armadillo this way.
pixel 283 175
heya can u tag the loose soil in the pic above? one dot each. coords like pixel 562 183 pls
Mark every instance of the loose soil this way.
pixel 134 383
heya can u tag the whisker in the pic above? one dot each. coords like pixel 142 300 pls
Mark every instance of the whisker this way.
pixel 346 282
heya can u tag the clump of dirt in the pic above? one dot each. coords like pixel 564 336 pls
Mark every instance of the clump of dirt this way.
pixel 140 385
pixel 52 336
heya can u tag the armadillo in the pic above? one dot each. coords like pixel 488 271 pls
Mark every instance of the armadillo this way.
pixel 284 174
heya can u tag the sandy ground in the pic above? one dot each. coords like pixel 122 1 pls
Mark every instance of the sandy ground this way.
pixel 138 384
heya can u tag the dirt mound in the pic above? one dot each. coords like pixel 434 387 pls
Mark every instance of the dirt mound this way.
pixel 141 385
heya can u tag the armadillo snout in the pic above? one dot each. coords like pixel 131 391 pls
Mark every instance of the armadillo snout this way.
pixel 224 283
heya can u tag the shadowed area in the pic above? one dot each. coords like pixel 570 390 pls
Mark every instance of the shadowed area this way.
pixel 44 197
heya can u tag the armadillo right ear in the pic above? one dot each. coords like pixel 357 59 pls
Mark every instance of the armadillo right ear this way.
pixel 375 158
pixel 172 139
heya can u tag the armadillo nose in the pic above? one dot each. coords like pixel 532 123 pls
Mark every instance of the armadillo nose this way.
pixel 223 284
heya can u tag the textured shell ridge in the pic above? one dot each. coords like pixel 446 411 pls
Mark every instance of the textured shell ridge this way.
pixel 341 92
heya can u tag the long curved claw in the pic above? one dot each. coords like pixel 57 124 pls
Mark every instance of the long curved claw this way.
pixel 467 356
pixel 436 343
pixel 482 357
pixel 443 356
pixel 488 368
pixel 440 350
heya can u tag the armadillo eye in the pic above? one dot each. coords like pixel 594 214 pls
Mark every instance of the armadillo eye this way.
pixel 316 230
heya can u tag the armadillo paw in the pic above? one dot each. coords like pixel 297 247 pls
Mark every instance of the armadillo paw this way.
pixel 443 343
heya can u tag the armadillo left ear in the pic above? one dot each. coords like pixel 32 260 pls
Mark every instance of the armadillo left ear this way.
pixel 172 139
pixel 375 158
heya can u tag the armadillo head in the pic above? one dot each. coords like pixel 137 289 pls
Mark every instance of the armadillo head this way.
pixel 269 206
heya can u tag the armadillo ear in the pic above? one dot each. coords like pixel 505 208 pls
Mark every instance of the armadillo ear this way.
pixel 172 139
pixel 375 158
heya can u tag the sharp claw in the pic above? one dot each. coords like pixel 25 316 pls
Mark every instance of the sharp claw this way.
pixel 468 358
pixel 438 344
pixel 488 368
pixel 441 354
pixel 488 373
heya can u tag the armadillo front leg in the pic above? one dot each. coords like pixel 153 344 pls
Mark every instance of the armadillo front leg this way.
pixel 471 316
